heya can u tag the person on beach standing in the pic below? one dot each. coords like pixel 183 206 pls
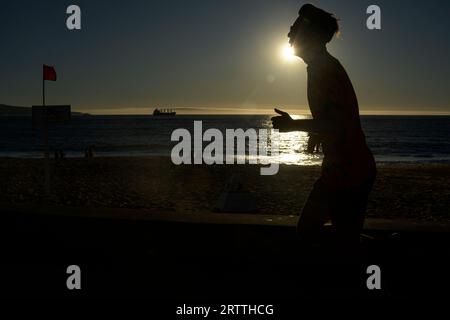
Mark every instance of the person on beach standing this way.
pixel 348 168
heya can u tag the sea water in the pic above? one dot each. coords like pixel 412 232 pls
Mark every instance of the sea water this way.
pixel 416 139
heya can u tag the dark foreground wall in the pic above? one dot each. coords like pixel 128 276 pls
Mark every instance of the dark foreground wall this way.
pixel 209 261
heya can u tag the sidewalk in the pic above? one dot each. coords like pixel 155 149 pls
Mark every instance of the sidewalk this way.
pixel 208 255
pixel 394 225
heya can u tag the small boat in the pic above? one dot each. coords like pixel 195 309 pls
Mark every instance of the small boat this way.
pixel 164 112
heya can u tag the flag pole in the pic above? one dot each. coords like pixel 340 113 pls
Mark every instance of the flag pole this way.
pixel 43 91
pixel 46 144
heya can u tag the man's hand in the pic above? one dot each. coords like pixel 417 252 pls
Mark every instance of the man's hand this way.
pixel 283 122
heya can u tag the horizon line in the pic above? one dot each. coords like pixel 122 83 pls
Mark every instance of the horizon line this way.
pixel 266 111
pixel 138 111
pixel 202 110
pixel 269 114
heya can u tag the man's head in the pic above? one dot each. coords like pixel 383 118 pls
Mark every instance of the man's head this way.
pixel 313 29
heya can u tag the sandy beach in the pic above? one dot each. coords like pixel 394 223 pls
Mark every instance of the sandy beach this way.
pixel 401 191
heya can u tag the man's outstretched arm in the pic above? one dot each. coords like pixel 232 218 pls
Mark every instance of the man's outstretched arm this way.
pixel 316 126
pixel 285 123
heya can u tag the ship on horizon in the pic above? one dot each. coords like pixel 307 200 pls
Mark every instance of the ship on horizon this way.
pixel 164 112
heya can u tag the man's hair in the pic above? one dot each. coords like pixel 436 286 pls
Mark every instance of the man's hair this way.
pixel 320 23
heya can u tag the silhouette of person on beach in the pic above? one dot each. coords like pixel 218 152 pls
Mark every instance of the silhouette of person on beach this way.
pixel 348 168
pixel 59 154
pixel 313 143
pixel 89 152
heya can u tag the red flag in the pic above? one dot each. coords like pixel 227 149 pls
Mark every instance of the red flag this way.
pixel 49 73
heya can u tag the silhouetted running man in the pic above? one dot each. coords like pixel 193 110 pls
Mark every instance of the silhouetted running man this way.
pixel 348 168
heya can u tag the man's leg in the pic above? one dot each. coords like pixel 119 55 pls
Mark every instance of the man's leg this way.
pixel 349 212
pixel 315 213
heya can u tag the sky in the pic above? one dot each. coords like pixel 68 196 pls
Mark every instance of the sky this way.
pixel 218 56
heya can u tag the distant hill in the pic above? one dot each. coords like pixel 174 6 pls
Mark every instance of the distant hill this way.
pixel 10 111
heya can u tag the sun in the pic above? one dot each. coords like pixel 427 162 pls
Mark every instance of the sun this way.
pixel 288 53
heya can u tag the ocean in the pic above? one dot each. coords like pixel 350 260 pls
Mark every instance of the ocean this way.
pixel 415 139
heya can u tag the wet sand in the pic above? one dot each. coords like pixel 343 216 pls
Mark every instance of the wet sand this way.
pixel 401 191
